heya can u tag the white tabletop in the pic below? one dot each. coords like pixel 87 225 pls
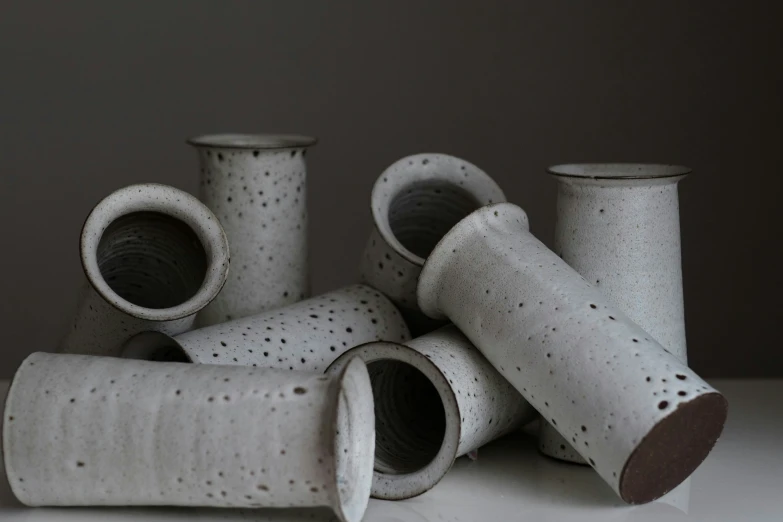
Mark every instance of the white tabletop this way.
pixel 741 480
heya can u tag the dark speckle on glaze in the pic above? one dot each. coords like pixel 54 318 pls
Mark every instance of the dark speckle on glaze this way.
pixel 305 336
pixel 188 435
pixel 414 202
pixel 251 190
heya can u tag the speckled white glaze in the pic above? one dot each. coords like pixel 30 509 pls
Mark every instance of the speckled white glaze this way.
pixel 601 380
pixel 153 256
pixel 305 336
pixel 414 202
pixel 256 185
pixel 618 225
pixel 83 430
pixel 436 398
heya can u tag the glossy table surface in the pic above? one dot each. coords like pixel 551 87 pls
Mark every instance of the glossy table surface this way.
pixel 742 480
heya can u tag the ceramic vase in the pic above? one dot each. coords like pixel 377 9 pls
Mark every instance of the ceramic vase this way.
pixel 618 225
pixel 436 398
pixel 102 431
pixel 414 203
pixel 256 185
pixel 153 256
pixel 641 418
pixel 305 336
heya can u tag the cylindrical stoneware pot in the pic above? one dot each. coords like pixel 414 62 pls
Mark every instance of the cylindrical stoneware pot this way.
pixel 634 411
pixel 436 398
pixel 153 256
pixel 256 185
pixel 618 225
pixel 414 203
pixel 305 336
pixel 102 431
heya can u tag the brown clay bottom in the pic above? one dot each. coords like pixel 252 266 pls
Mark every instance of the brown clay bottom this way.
pixel 673 449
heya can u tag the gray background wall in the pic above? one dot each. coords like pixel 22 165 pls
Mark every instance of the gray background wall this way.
pixel 97 95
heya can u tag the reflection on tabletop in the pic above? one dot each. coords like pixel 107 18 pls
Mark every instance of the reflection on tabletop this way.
pixel 510 480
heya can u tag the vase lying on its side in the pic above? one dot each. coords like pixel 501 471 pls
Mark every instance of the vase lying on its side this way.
pixel 618 225
pixel 153 256
pixel 641 418
pixel 436 398
pixel 414 203
pixel 257 186
pixel 102 431
pixel 305 336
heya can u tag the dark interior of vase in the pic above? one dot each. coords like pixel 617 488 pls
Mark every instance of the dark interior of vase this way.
pixel 422 213
pixel 410 422
pixel 152 260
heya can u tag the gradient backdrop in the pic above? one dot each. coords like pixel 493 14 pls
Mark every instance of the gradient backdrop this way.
pixel 97 95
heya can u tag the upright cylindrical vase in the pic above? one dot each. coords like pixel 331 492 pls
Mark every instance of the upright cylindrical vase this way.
pixel 153 257
pixel 304 336
pixel 256 185
pixel 414 203
pixel 618 225
pixel 635 412
pixel 436 398
pixel 102 431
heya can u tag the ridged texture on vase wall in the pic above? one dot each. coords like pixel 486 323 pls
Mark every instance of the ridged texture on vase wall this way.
pixel 618 225
pixel 414 203
pixel 153 256
pixel 305 336
pixel 436 398
pixel 103 431
pixel 260 197
pixel 637 414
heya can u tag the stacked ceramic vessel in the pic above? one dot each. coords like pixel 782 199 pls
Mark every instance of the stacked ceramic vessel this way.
pixel 192 377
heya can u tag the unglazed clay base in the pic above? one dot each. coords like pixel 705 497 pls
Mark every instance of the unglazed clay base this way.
pixel 305 336
pixel 435 399
pixel 103 431
pixel 637 414
pixel 153 256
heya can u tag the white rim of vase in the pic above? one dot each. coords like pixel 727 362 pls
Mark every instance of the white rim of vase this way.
pixel 401 486
pixel 252 141
pixel 172 202
pixel 618 171
pixel 421 167
pixel 354 451
pixel 426 292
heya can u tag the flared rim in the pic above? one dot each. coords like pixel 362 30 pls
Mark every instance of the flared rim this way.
pixel 175 203
pixel 427 167
pixel 252 141
pixel 618 171
pixel 354 441
pixel 401 486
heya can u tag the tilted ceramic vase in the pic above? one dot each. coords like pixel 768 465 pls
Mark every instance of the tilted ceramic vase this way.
pixel 634 411
pixel 305 336
pixel 436 398
pixel 102 431
pixel 618 225
pixel 414 203
pixel 153 256
pixel 257 185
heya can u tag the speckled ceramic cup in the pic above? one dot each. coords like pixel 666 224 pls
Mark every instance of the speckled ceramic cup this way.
pixel 634 411
pixel 414 203
pixel 153 257
pixel 436 398
pixel 618 225
pixel 257 186
pixel 101 431
pixel 305 336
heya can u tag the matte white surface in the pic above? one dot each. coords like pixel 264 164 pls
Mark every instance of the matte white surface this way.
pixel 740 480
